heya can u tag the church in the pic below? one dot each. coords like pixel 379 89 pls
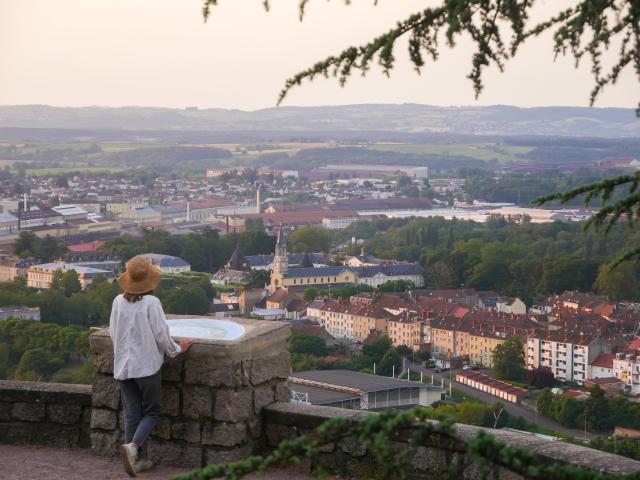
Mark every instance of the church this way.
pixel 374 275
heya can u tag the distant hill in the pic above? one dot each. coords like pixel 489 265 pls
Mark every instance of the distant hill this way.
pixel 399 119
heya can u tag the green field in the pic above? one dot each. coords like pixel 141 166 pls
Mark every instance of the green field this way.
pixel 482 151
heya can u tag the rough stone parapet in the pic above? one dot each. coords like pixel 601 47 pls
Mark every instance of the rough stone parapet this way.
pixel 286 421
pixel 49 414
pixel 212 397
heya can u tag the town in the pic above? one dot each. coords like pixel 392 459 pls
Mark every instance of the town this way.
pixel 320 240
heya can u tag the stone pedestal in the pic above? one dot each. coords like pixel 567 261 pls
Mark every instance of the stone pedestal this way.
pixel 212 396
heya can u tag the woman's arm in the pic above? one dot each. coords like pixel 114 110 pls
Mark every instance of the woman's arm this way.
pixel 160 329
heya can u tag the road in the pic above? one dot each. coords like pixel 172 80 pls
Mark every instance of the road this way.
pixel 512 408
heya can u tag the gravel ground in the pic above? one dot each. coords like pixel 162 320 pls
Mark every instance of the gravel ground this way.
pixel 31 463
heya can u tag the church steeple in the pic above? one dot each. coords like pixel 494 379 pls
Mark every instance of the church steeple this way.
pixel 281 257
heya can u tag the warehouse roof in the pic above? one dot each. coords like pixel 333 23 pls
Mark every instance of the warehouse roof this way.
pixel 362 381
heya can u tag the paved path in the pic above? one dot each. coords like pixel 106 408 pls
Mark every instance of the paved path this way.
pixel 512 408
pixel 35 463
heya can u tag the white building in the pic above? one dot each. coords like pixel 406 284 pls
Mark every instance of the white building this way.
pixel 566 354
pixel 337 223
pixel 167 263
pixel 511 305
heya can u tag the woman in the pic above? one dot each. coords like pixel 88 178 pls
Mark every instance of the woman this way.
pixel 140 336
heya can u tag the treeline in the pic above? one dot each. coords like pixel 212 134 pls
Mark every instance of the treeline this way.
pixel 31 350
pixel 205 252
pixel 525 260
pixel 310 352
pixel 522 189
pixel 598 413
pixel 169 159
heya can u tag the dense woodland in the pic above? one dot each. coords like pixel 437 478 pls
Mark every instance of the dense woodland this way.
pixel 511 258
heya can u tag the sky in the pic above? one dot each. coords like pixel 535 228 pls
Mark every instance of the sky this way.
pixel 162 53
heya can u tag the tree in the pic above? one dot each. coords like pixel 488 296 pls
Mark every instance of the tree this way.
pixel 621 283
pixel 310 239
pixel 310 294
pixel 188 300
pixel 508 359
pixel 545 402
pixel 303 343
pixel 377 348
pixel 390 363
pixel 397 286
pixel 540 377
pixel 70 282
pixel 596 410
pixel 26 244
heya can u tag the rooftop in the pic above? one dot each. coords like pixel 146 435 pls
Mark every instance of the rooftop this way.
pixel 362 381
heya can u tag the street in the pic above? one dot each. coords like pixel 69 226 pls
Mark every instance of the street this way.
pixel 512 408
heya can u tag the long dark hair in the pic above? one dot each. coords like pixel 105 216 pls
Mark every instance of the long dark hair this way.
pixel 135 297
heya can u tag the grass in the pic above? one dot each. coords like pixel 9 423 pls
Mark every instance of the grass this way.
pixel 482 151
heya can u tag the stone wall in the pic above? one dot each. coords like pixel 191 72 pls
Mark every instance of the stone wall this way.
pixel 350 459
pixel 212 398
pixel 50 414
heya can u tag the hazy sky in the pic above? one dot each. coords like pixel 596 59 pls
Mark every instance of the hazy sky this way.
pixel 160 52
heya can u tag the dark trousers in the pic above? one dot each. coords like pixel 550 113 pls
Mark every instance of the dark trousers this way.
pixel 142 410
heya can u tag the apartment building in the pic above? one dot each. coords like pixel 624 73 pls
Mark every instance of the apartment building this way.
pixel 405 330
pixel 567 352
pixel 12 267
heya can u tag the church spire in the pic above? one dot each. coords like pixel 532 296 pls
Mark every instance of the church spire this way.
pixel 281 257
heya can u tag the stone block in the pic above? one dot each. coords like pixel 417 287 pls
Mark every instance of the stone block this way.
pixel 232 405
pixel 224 434
pixel 263 395
pixel 106 391
pixel 254 425
pixel 163 430
pixel 103 362
pixel 172 369
pixel 29 412
pixel 65 414
pixel 283 392
pixel 170 400
pixel 276 433
pixel 353 447
pixel 5 411
pixel 174 453
pixel 189 431
pixel 106 443
pixel 266 368
pixel 197 402
pixel 213 456
pixel 213 372
pixel 104 419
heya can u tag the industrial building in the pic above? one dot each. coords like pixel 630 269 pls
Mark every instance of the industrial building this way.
pixel 360 391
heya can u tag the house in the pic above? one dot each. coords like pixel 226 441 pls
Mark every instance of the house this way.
pixel 12 267
pixel 167 263
pixel 601 366
pixel 511 305
pixel 235 271
pixel 295 309
pixel 41 276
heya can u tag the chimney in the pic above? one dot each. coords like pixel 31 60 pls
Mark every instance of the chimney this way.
pixel 24 200
pixel 258 199
pixel 188 211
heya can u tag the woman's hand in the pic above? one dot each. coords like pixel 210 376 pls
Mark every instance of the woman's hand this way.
pixel 185 343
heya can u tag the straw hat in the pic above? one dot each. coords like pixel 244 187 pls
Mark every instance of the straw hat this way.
pixel 141 276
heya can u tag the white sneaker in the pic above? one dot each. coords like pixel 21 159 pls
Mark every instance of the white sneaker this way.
pixel 142 464
pixel 129 455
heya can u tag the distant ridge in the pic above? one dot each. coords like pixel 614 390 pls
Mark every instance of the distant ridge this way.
pixel 402 118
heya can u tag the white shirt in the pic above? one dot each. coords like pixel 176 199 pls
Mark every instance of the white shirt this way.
pixel 140 336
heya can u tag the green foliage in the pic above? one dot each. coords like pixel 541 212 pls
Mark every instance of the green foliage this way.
pixel 31 350
pixel 187 300
pixel 205 252
pixel 310 294
pixel 302 343
pixel 508 360
pixel 596 410
pixel 46 249
pixel 310 239
pixel 396 286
